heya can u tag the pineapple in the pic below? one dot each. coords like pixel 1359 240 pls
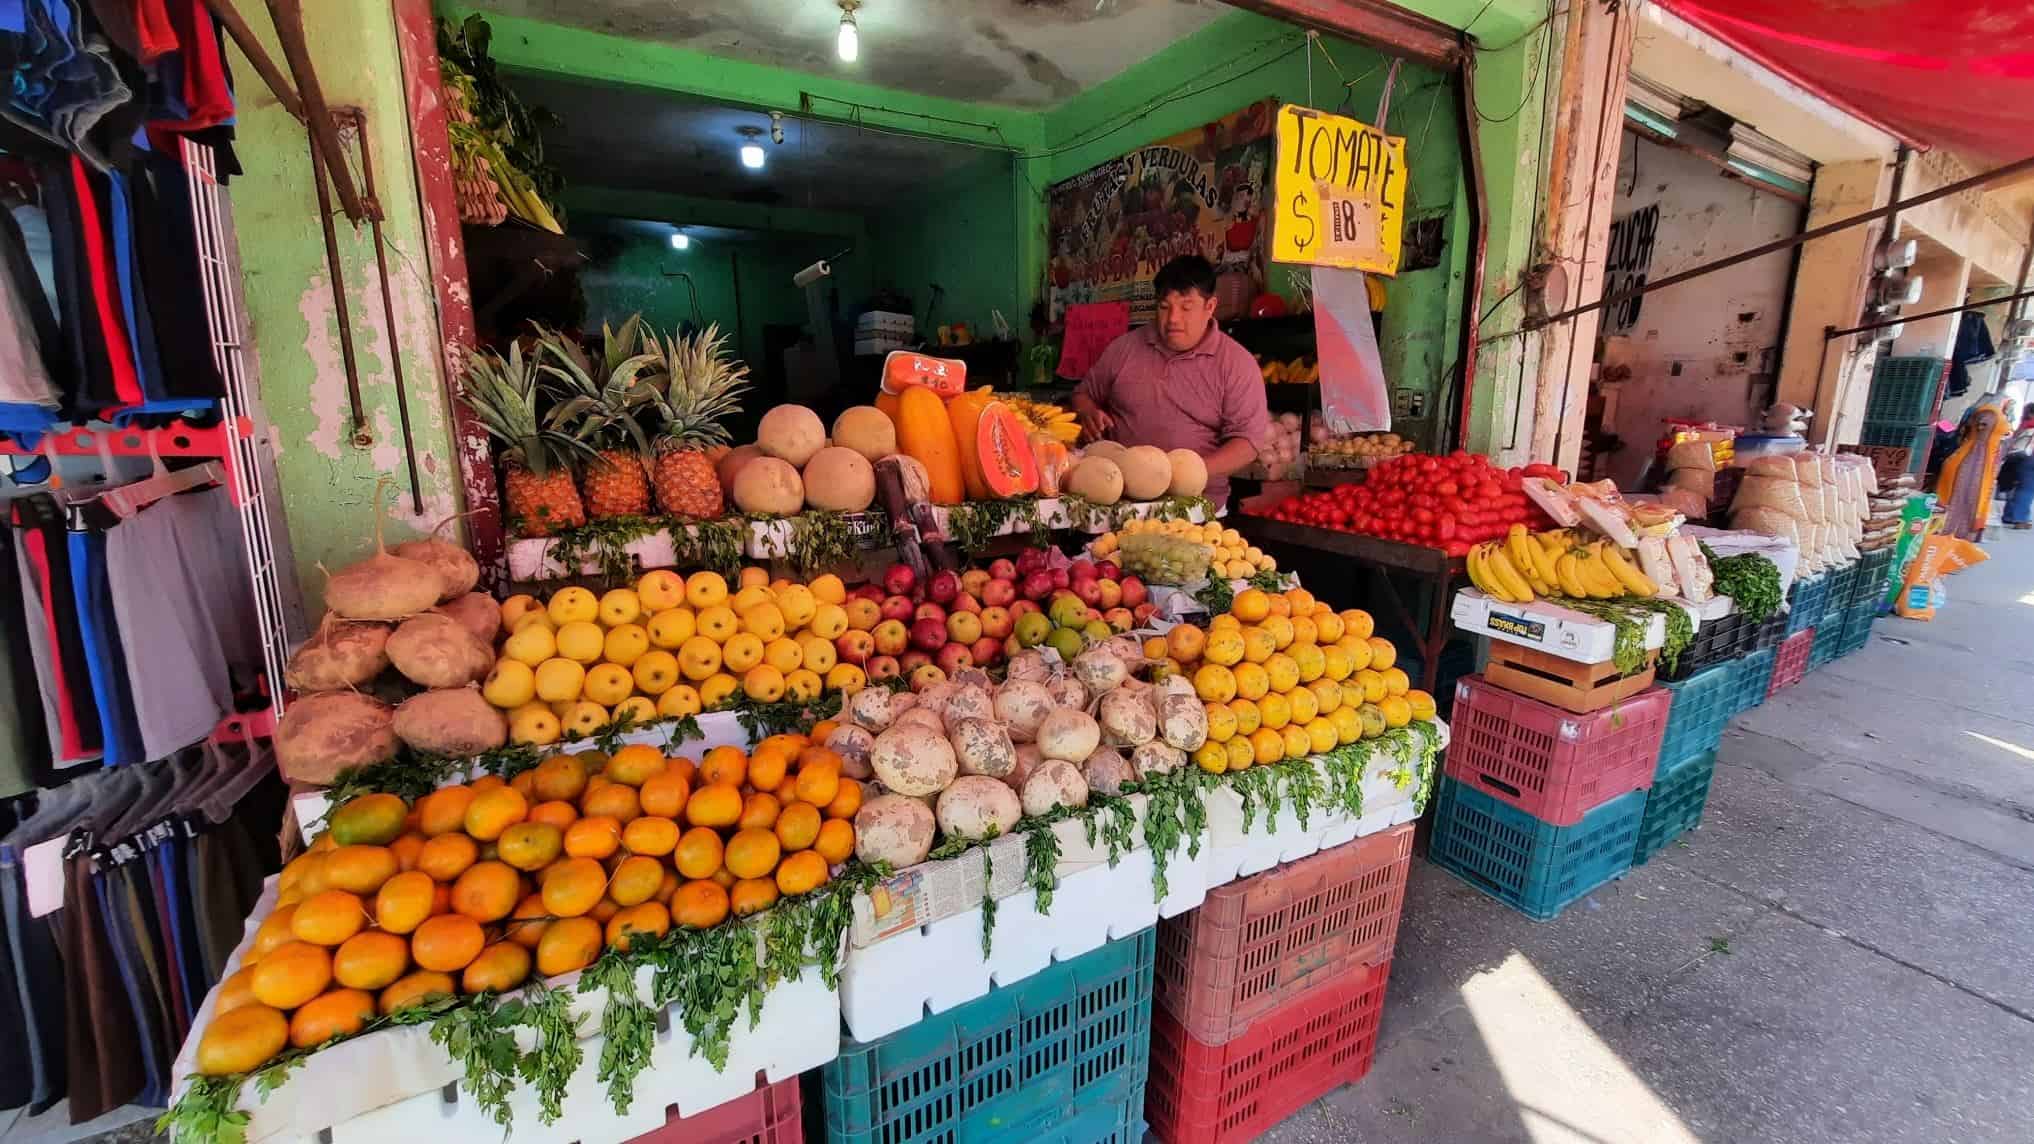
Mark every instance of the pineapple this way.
pixel 605 413
pixel 537 462
pixel 702 385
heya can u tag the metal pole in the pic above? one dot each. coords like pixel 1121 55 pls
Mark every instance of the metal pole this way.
pixel 2020 167
pixel 288 16
pixel 1479 213
pixel 1833 333
pixel 264 66
pixel 332 264
pixel 388 317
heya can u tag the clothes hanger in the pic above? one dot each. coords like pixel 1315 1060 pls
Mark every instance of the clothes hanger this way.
pixel 131 498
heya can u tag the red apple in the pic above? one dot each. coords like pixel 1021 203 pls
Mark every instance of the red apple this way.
pixel 997 623
pixel 1023 607
pixel 965 602
pixel 891 637
pixel 862 612
pixel 1030 560
pixel 883 667
pixel 1002 569
pixel 1037 585
pixel 912 660
pixel 986 650
pixel 972 581
pixel 1093 615
pixel 1111 593
pixel 1134 592
pixel 1089 591
pixel 925 675
pixel 955 657
pixel 1060 578
pixel 1143 612
pixel 928 634
pixel 929 611
pixel 899 580
pixel 964 627
pixel 999 593
pixel 1119 619
pixel 944 587
pixel 1107 570
pixel 854 646
pixel 897 607
pixel 871 591
pixel 1082 567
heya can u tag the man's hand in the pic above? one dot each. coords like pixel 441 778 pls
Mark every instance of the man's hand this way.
pixel 1095 424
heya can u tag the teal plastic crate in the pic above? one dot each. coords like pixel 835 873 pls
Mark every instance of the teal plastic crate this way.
pixel 1702 706
pixel 1857 626
pixel 1828 638
pixel 1806 601
pixel 1903 389
pixel 1674 805
pixel 1874 578
pixel 1060 1057
pixel 1536 867
pixel 1842 587
pixel 1754 679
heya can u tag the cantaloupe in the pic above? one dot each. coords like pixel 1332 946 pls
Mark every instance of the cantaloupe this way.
pixel 1107 450
pixel 1098 479
pixel 791 433
pixel 925 433
pixel 730 465
pixel 840 479
pixel 769 485
pixel 1189 473
pixel 867 430
pixel 1147 472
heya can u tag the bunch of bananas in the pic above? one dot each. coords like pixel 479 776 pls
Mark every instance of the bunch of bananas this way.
pixel 1560 562
pixel 1043 417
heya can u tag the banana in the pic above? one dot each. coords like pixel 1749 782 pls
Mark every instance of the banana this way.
pixel 1474 563
pixel 1597 578
pixel 1514 584
pixel 1570 576
pixel 1481 575
pixel 1635 582
pixel 1518 549
pixel 1546 558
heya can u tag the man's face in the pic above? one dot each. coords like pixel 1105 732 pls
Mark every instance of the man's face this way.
pixel 1183 319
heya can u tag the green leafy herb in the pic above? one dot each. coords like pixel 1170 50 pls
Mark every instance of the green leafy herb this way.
pixel 820 540
pixel 1302 787
pixel 761 720
pixel 480 1036
pixel 1269 579
pixel 603 544
pixel 988 901
pixel 974 524
pixel 628 1026
pixel 715 545
pixel 208 1112
pixel 557 1056
pixel 1041 862
pixel 1216 595
pixel 1751 580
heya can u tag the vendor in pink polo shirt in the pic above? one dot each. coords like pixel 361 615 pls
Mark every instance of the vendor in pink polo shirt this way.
pixel 1179 383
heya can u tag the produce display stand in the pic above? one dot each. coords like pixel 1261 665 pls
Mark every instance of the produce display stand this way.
pixel 1429 578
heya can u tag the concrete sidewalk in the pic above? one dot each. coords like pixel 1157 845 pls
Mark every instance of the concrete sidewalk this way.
pixel 1843 952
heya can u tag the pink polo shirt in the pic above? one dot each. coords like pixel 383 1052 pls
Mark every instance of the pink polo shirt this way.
pixel 1198 399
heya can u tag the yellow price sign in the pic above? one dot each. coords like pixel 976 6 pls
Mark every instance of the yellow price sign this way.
pixel 1338 192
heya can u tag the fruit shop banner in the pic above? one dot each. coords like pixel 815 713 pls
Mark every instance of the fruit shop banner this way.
pixel 1199 192
pixel 1339 192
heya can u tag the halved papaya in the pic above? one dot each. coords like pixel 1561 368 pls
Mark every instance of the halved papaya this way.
pixel 1003 453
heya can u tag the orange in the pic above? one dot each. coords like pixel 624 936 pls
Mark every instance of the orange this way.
pixel 1382 654
pixel 574 887
pixel 836 841
pixel 291 975
pixel 668 886
pixel 530 845
pixel 527 923
pixel 801 873
pixel 447 856
pixel 604 911
pixel 715 804
pixel 723 879
pixel 664 794
pixel 1397 712
pixel 635 881
pixel 1250 605
pixel 568 946
pixel 242 1040
pixel 237 990
pixel 818 776
pixel 273 931
pixel 360 869
pixel 698 853
pixel 371 960
pixel 635 764
pixel 798 825
pixel 596 836
pixel 328 918
pixel 493 811
pixel 406 850
pixel 556 813
pixel 404 901
pixel 1357 622
pixel 847 801
pixel 724 764
pixel 499 968
pixel 752 895
pixel 524 784
pixel 415 988
pixel 559 778
pixel 751 853
pixel 769 764
pixel 655 837
pixel 759 809
pixel 1267 745
pixel 447 943
pixel 614 801
pixel 699 905
pixel 1396 682
pixel 787 791
pixel 649 919
pixel 444 810
pixel 1421 703
pixel 487 892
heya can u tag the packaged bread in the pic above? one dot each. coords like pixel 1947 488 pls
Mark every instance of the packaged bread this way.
pixel 1701 482
pixel 1778 493
pixel 1692 455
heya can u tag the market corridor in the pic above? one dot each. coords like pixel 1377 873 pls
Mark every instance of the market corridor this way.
pixel 1840 953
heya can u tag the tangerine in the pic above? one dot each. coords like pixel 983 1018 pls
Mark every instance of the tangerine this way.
pixel 371 960
pixel 715 804
pixel 527 923
pixel 242 1040
pixel 699 905
pixel 340 1013
pixel 499 968
pixel 404 901
pixel 569 945
pixel 447 856
pixel 487 892
pixel 573 887
pixel 635 881
pixel 664 795
pixel 524 784
pixel 836 841
pixel 635 764
pixel 370 820
pixel 847 802
pixel 558 778
pixel 604 910
pixel 769 764
pixel 406 849
pixel 495 810
pixel 292 974
pixel 752 895
pixel 668 886
pixel 530 845
pixel 273 931
pixel 328 918
pixel 360 869
pixel 698 853
pixel 801 873
pixel 416 988
pixel 751 853
pixel 650 919
pixel 447 943
pixel 759 809
pixel 725 764
pixel 237 990
pixel 556 813
pixel 818 776
pixel 613 800
pixel 444 810
pixel 594 837
pixel 798 826
pixel 655 837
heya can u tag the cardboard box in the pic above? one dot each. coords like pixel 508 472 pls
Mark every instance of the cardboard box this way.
pixel 1548 627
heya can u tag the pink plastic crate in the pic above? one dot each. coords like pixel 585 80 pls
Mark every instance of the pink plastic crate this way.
pixel 769 1115
pixel 1792 662
pixel 1553 764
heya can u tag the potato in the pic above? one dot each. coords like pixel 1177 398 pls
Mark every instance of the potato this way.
pixel 1021 705
pixel 983 747
pixel 453 721
pixel 437 651
pixel 852 743
pixel 1068 734
pixel 323 734
pixel 454 564
pixel 976 807
pixel 895 829
pixel 1127 719
pixel 1054 784
pixel 914 760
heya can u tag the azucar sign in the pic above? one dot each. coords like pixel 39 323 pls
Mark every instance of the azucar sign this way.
pixel 1338 191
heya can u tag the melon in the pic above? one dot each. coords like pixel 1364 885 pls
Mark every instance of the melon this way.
pixel 867 430
pixel 1003 453
pixel 1107 450
pixel 1098 479
pixel 769 485
pixel 730 464
pixel 1147 472
pixel 1189 473
pixel 791 433
pixel 840 479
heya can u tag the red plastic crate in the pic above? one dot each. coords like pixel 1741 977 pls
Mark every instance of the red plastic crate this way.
pixel 1792 662
pixel 769 1115
pixel 1214 1094
pixel 1553 764
pixel 1258 942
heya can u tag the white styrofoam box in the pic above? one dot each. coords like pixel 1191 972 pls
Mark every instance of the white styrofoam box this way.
pixel 1051 514
pixel 535 559
pixel 887 321
pixel 1546 626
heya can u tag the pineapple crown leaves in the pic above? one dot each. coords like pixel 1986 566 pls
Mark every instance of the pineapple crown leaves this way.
pixel 605 412
pixel 699 385
pixel 504 394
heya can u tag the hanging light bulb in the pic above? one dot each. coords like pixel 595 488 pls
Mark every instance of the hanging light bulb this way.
pixel 849 43
pixel 752 156
pixel 681 241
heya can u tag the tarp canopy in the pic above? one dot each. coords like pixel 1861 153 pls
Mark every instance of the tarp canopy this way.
pixel 1953 74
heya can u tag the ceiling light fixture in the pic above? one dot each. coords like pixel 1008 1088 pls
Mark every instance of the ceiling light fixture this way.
pixel 752 150
pixel 849 43
pixel 681 241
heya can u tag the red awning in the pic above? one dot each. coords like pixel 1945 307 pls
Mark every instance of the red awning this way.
pixel 1954 74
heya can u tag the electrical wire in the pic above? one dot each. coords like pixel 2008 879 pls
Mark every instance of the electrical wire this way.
pixel 1532 81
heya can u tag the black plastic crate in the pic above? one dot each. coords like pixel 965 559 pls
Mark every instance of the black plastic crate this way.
pixel 1715 642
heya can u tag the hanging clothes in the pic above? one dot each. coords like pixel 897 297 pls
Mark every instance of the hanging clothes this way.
pixel 34 716
pixel 49 602
pixel 1973 345
pixel 166 239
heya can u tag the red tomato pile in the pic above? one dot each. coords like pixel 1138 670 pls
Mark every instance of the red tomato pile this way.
pixel 1450 502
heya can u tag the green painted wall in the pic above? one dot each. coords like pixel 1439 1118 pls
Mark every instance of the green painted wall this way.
pixel 327 477
pixel 962 234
